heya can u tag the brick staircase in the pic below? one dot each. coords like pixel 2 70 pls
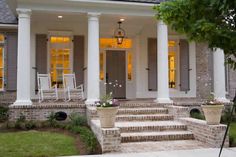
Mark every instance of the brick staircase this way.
pixel 146 122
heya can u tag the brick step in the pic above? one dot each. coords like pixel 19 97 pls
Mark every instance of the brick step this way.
pixel 144 117
pixel 141 105
pixel 150 126
pixel 135 111
pixel 156 136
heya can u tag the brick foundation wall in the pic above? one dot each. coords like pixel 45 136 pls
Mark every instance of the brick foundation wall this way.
pixel 178 111
pixel 203 69
pixel 7 98
pixel 109 138
pixel 209 134
pixel 40 112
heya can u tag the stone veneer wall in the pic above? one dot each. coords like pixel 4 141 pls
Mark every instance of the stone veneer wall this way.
pixel 209 134
pixel 40 112
pixel 203 69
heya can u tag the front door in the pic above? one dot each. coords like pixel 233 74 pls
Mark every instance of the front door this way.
pixel 115 73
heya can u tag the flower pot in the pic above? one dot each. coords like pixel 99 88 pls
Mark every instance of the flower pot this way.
pixel 107 116
pixel 212 113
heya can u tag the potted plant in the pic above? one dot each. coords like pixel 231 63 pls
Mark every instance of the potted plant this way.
pixel 107 109
pixel 212 110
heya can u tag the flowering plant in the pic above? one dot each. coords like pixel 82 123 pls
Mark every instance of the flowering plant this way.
pixel 107 101
pixel 211 101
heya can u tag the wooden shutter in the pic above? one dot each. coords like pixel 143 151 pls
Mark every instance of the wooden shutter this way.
pixel 152 64
pixel 41 55
pixel 11 54
pixel 78 58
pixel 184 65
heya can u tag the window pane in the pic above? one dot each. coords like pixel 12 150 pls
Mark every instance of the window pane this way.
pixel 101 66
pixel 1 38
pixel 1 68
pixel 130 66
pixel 111 43
pixel 59 58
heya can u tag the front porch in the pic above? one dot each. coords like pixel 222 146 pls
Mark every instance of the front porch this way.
pixel 157 59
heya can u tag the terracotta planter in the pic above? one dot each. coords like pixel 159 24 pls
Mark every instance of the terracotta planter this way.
pixel 107 116
pixel 212 113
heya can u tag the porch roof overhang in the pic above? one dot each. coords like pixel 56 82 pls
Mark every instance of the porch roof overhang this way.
pixel 85 6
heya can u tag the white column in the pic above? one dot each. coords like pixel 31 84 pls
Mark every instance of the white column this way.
pixel 93 59
pixel 162 64
pixel 219 76
pixel 23 58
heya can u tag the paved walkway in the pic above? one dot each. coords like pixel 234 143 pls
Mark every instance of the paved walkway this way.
pixel 211 152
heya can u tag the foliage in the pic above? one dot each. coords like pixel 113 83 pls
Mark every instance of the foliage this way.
pixel 37 144
pixel 3 114
pixel 232 134
pixel 51 119
pixel 211 21
pixel 77 120
pixel 87 136
pixel 107 101
pixel 197 115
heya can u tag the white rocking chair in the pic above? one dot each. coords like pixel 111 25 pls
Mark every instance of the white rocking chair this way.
pixel 46 91
pixel 72 91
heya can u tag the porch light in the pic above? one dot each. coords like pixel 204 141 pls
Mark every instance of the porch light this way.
pixel 119 34
pixel 60 16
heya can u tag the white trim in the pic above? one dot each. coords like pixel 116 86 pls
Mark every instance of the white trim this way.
pixel 9 26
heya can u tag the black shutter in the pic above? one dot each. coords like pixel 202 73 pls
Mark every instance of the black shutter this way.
pixel 78 58
pixel 184 65
pixel 152 64
pixel 41 55
pixel 11 54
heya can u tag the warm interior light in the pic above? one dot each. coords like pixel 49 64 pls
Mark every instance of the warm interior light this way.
pixel 59 58
pixel 172 77
pixel 122 19
pixel 101 66
pixel 1 68
pixel 129 66
pixel 112 43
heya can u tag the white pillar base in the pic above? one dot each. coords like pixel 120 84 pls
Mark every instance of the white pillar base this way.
pixel 22 102
pixel 222 100
pixel 91 101
pixel 163 100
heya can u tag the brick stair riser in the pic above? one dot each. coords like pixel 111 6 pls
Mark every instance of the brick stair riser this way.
pixel 141 105
pixel 156 138
pixel 145 118
pixel 153 128
pixel 136 112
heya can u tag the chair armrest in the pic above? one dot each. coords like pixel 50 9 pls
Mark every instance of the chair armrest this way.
pixel 80 86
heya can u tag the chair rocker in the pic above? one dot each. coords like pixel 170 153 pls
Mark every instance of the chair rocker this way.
pixel 72 91
pixel 46 91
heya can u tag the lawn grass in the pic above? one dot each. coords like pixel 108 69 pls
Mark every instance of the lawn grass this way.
pixel 36 144
pixel 232 132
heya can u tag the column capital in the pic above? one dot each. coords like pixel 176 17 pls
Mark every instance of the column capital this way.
pixel 24 13
pixel 93 15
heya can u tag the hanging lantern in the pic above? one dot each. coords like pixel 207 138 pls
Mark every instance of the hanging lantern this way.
pixel 119 34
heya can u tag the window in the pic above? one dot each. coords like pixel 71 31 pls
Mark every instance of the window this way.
pixel 101 66
pixel 60 54
pixel 2 61
pixel 172 63
pixel 130 67
pixel 111 43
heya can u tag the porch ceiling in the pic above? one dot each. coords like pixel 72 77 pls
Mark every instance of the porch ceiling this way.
pixel 132 24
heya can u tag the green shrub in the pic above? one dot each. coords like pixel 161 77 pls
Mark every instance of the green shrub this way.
pixel 77 120
pixel 20 122
pixel 51 119
pixel 89 138
pixel 30 125
pixel 3 114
